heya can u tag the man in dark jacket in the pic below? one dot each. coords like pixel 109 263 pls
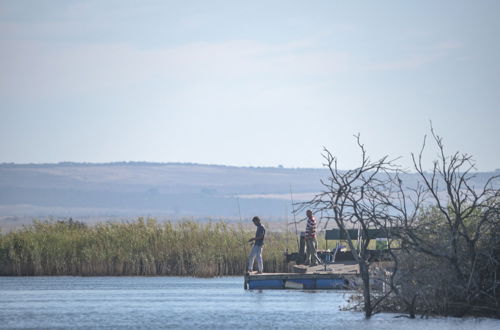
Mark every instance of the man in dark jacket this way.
pixel 256 251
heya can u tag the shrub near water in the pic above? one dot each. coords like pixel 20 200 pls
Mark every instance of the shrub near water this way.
pixel 143 247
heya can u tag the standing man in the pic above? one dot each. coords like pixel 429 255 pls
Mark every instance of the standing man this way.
pixel 311 243
pixel 256 251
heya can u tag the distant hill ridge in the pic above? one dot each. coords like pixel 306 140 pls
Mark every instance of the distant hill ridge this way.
pixel 139 163
pixel 157 189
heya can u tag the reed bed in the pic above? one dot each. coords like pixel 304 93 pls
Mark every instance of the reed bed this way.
pixel 142 247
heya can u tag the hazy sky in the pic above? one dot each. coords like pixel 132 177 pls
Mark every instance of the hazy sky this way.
pixel 247 83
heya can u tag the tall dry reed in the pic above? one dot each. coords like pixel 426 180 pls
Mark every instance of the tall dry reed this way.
pixel 143 247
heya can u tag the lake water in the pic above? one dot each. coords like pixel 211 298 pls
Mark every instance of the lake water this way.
pixel 187 303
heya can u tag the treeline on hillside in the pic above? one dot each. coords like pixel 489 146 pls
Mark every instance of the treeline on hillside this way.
pixel 143 247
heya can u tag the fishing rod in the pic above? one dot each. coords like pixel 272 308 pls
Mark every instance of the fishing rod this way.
pixel 322 230
pixel 241 223
pixel 287 232
pixel 294 220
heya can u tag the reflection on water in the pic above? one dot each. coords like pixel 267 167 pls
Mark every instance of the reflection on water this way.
pixel 180 303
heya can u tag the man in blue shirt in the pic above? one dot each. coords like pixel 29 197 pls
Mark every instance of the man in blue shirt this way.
pixel 256 251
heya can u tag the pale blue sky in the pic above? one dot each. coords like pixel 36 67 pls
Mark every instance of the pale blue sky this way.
pixel 254 83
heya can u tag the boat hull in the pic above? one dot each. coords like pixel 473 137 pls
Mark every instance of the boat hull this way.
pixel 297 282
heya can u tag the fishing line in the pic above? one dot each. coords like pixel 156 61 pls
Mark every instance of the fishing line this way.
pixel 241 222
pixel 287 232
pixel 294 220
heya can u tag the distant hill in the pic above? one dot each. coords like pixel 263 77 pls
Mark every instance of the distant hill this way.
pixel 169 190
pixel 134 189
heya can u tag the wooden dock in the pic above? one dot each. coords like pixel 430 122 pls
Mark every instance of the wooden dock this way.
pixel 335 276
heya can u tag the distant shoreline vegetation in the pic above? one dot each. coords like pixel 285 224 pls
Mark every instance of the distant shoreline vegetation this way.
pixel 139 163
pixel 142 247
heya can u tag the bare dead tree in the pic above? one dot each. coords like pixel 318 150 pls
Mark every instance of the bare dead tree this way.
pixel 452 221
pixel 351 198
pixel 447 230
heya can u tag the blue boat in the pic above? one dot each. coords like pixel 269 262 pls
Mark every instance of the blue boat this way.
pixel 308 281
pixel 342 276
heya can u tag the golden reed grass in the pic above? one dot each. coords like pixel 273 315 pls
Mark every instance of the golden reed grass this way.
pixel 143 247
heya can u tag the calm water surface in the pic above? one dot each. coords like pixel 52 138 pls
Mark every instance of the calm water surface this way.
pixel 187 303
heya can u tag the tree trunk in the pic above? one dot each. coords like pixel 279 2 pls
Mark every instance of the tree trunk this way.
pixel 365 276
